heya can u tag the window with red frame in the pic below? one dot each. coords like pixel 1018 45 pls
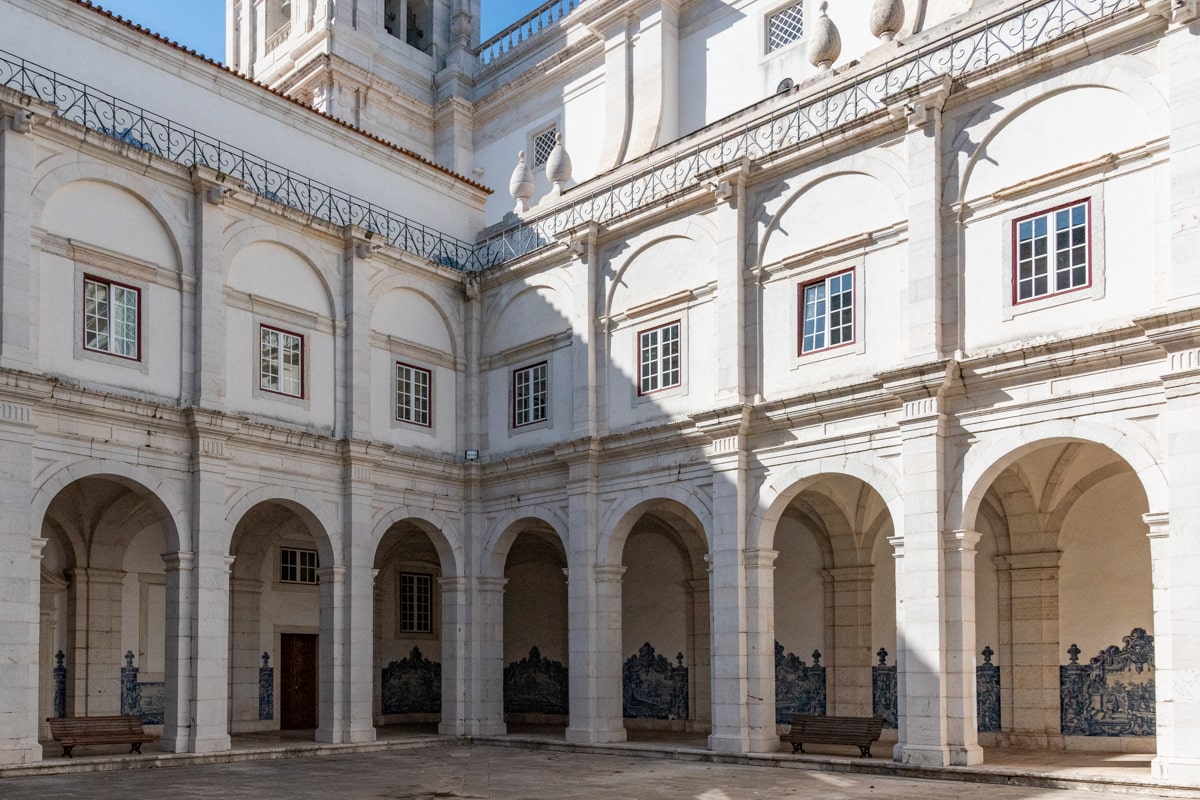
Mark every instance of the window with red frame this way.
pixel 827 312
pixel 1052 251
pixel 281 362
pixel 658 358
pixel 111 312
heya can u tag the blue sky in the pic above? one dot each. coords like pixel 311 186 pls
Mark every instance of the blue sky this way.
pixel 200 24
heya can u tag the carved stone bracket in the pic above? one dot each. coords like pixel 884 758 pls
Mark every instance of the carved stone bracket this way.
pixel 921 104
pixel 921 389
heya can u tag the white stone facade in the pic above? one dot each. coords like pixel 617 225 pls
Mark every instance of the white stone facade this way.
pixel 774 369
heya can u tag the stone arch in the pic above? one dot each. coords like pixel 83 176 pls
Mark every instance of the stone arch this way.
pixel 396 283
pixel 319 523
pixel 619 520
pixel 1120 74
pixel 433 524
pixel 777 492
pixel 148 485
pixel 249 231
pixel 692 230
pixel 505 529
pixel 982 463
pixel 507 294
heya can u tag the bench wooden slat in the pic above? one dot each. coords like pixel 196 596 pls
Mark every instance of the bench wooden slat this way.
pixel 860 732
pixel 73 731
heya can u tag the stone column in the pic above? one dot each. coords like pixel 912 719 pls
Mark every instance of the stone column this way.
pixel 488 719
pixel 20 599
pixel 96 624
pixel 48 623
pixel 962 727
pixel 358 622
pixel 1165 725
pixel 849 659
pixel 203 299
pixel 333 688
pixel 178 666
pixel 729 192
pixel 245 651
pixel 455 656
pixel 210 650
pixel 1035 651
pixel 16 225
pixel 760 650
pixel 920 586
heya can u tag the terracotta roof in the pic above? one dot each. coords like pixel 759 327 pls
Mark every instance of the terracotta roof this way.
pixel 263 87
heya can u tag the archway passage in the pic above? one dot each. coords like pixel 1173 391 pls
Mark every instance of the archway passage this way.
pixel 665 624
pixel 408 626
pixel 105 591
pixel 1064 607
pixel 276 596
pixel 535 630
pixel 834 601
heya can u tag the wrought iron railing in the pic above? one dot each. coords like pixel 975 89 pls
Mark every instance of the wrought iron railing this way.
pixel 984 44
pixel 145 130
pixel 524 29
pixel 665 172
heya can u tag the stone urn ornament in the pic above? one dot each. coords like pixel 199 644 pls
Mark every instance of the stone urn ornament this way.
pixel 521 184
pixel 558 165
pixel 886 19
pixel 826 43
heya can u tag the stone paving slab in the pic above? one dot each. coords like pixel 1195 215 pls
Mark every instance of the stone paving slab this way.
pixel 479 772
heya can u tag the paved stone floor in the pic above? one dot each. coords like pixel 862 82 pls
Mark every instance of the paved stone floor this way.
pixel 481 772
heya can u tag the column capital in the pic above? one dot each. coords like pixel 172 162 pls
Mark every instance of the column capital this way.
pixel 760 558
pixel 961 540
pixel 609 574
pixel 897 543
pixel 1016 562
pixel 455 583
pixel 335 574
pixel 1159 524
pixel 490 584
pixel 847 574
pixel 35 548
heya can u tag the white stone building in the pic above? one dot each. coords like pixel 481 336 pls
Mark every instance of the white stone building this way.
pixel 865 329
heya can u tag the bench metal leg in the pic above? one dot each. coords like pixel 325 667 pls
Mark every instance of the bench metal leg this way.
pixel 865 750
pixel 136 747
pixel 67 751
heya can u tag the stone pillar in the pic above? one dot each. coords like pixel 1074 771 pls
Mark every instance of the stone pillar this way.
pixel 1035 651
pixel 20 599
pixel 48 623
pixel 920 586
pixel 962 727
pixel 729 191
pixel 455 656
pixel 203 298
pixel 16 225
pixel 1165 725
pixel 760 650
pixel 178 665
pixel 210 649
pixel 488 719
pixel 849 660
pixel 333 689
pixel 358 655
pixel 245 652
pixel 96 624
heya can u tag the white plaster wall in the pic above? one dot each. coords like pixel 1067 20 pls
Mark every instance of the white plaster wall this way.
pixel 987 595
pixel 799 591
pixel 1104 573
pixel 394 645
pixel 535 611
pixel 144 565
pixel 653 597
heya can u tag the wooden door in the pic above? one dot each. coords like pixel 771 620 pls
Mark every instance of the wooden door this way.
pixel 298 681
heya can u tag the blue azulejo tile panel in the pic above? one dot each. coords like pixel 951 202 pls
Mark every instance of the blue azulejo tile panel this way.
pixel 412 685
pixel 1113 694
pixel 535 685
pixel 987 693
pixel 266 688
pixel 652 687
pixel 144 698
pixel 884 701
pixel 799 688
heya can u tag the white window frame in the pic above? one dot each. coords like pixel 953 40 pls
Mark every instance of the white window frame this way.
pixel 299 565
pixel 414 590
pixel 772 14
pixel 409 406
pixel 265 378
pixel 102 321
pixel 828 312
pixel 1050 258
pixel 654 358
pixel 551 129
pixel 525 383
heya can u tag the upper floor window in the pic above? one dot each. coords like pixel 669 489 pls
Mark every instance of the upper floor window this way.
pixel 110 317
pixel 1052 251
pixel 281 362
pixel 297 566
pixel 828 312
pixel 785 26
pixel 543 143
pixel 658 358
pixel 416 602
pixel 412 394
pixel 529 395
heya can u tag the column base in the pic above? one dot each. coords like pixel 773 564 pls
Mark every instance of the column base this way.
pixel 328 736
pixel 966 755
pixel 771 743
pixel 1175 770
pixel 922 755
pixel 488 728
pixel 359 735
pixel 590 736
pixel 212 744
pixel 21 754
pixel 720 743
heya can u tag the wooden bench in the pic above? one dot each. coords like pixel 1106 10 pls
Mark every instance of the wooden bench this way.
pixel 73 731
pixel 860 732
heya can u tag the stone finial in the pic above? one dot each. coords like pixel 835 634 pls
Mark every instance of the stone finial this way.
pixel 826 43
pixel 558 165
pixel 886 18
pixel 520 185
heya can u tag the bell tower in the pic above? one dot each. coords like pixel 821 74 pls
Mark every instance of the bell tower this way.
pixel 400 69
